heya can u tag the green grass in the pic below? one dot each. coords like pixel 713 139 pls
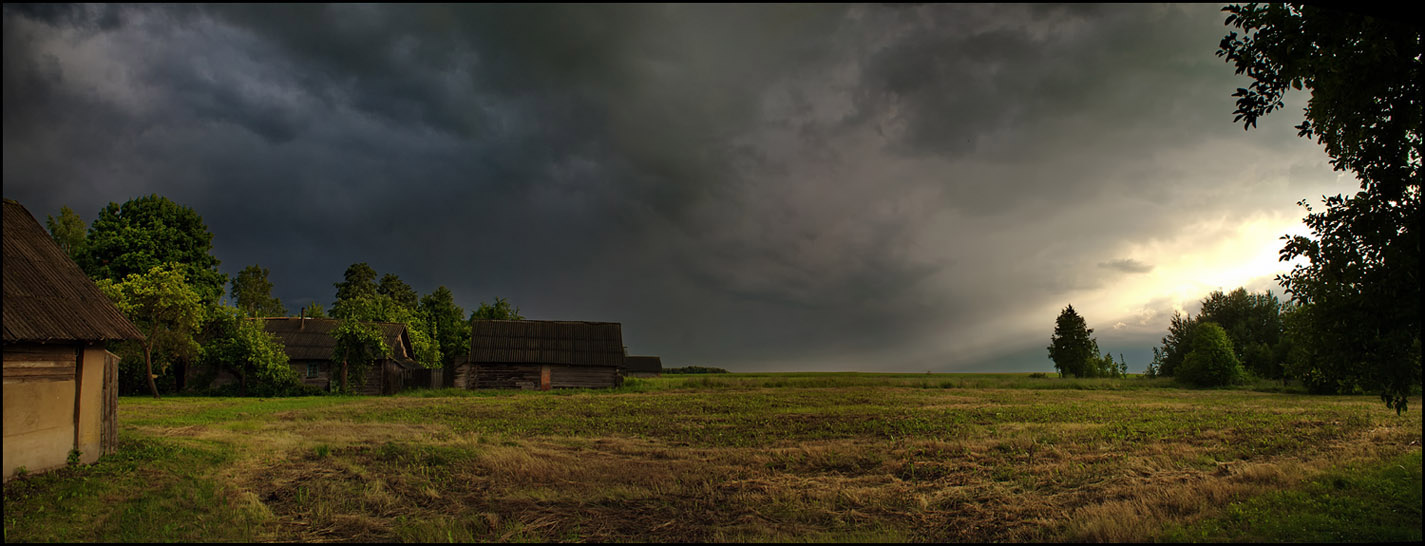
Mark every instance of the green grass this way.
pixel 736 457
pixel 1377 502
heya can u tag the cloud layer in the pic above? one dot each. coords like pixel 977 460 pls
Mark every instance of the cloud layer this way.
pixel 758 187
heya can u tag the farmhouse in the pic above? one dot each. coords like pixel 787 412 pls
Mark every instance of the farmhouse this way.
pixel 60 384
pixel 542 354
pixel 309 345
pixel 643 366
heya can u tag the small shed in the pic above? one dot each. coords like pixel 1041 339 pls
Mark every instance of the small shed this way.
pixel 60 384
pixel 543 354
pixel 310 345
pixel 643 366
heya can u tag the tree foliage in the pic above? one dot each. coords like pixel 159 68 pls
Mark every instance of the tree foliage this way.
pixel 397 289
pixel 165 309
pixel 1211 362
pixel 146 232
pixel 256 357
pixel 446 322
pixel 383 308
pixel 67 232
pixel 1253 324
pixel 1363 256
pixel 500 310
pixel 252 293
pixel 1071 348
pixel 359 281
pixel 314 310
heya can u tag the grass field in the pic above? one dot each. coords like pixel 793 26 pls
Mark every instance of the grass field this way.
pixel 749 457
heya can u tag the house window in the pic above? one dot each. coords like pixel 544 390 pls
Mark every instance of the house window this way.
pixel 311 369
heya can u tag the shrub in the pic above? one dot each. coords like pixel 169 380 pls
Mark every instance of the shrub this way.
pixel 1211 362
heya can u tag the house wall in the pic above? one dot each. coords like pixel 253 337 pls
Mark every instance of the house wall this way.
pixel 504 376
pixel 643 374
pixel 324 372
pixel 42 421
pixel 530 376
pixel 584 377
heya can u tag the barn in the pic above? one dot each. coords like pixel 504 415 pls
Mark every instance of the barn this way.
pixel 60 384
pixel 542 354
pixel 643 366
pixel 309 345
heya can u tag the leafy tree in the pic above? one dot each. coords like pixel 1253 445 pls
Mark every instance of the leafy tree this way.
pixel 358 345
pixel 1071 348
pixel 252 293
pixel 145 232
pixel 1177 343
pixel 256 357
pixel 1212 361
pixel 1252 322
pixel 500 310
pixel 1154 366
pixel 1362 275
pixel 446 321
pixel 383 308
pixel 67 231
pixel 398 290
pixel 314 310
pixel 360 282
pixel 165 309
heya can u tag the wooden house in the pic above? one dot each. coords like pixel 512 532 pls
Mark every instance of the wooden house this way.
pixel 309 345
pixel 60 384
pixel 643 366
pixel 542 354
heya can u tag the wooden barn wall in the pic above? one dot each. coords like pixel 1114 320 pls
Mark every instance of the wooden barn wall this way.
pixel 505 376
pixel 584 377
pixel 324 372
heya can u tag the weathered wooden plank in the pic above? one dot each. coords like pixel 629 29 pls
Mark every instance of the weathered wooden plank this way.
pixel 56 373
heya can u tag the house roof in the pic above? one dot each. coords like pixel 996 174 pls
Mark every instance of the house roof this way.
pixel 307 338
pixel 47 298
pixel 547 342
pixel 643 364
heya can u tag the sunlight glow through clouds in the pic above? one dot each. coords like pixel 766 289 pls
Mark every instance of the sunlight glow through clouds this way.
pixel 1207 256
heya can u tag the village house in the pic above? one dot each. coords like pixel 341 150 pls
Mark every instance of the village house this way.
pixel 60 384
pixel 643 366
pixel 309 345
pixel 542 354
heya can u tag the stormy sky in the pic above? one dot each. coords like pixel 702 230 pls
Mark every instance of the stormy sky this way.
pixel 760 188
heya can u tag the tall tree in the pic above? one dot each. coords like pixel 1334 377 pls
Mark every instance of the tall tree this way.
pixel 67 231
pixel 1176 344
pixel 359 281
pixel 1253 324
pixel 446 321
pixel 1363 256
pixel 392 285
pixel 145 232
pixel 252 293
pixel 1072 348
pixel 165 309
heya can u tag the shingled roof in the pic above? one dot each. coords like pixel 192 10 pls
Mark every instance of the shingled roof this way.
pixel 313 340
pixel 546 342
pixel 644 364
pixel 47 298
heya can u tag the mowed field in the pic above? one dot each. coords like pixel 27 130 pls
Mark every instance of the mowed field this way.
pixel 748 457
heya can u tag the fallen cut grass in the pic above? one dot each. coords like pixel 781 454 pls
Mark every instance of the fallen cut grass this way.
pixel 743 457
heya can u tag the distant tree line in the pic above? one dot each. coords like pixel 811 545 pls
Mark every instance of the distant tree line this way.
pixel 694 369
pixel 153 257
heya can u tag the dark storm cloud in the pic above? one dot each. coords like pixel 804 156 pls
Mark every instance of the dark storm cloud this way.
pixel 1127 265
pixel 761 186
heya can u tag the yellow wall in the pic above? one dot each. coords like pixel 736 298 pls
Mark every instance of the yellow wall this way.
pixel 39 425
pixel 39 414
pixel 91 403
